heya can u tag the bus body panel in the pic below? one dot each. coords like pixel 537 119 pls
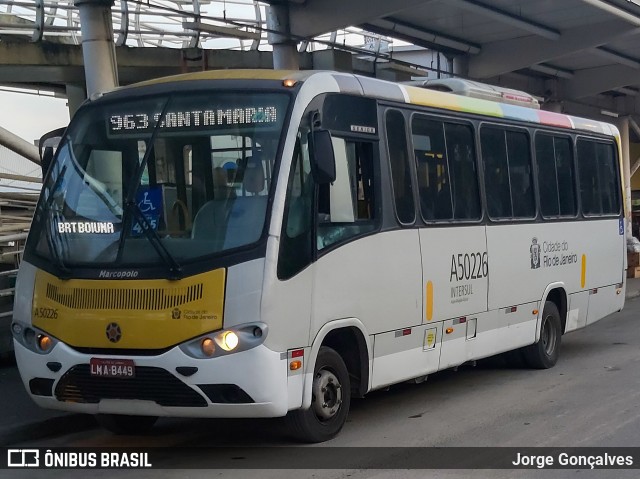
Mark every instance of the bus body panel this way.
pixel 577 313
pixel 384 272
pixel 243 293
pixel 454 260
pixel 406 354
pixel 539 254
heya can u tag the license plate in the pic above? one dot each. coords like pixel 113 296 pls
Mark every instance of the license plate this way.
pixel 112 368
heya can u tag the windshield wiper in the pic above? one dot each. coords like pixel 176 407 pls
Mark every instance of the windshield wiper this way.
pixel 175 270
pixel 52 242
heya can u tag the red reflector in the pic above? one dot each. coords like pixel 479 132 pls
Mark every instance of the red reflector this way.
pixel 463 320
pixel 297 353
pixel 406 332
pixel 514 309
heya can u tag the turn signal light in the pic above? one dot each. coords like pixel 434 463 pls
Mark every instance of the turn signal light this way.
pixel 449 330
pixel 289 82
pixel 208 347
pixel 295 365
pixel 44 342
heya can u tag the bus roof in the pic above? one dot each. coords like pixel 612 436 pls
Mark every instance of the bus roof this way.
pixel 418 95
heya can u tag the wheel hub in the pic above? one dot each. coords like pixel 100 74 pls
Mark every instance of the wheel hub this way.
pixel 327 394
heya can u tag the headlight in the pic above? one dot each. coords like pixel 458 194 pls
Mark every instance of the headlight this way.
pixel 33 339
pixel 228 341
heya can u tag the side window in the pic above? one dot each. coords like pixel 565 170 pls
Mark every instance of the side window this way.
pixel 464 174
pixel 520 175
pixel 507 173
pixel 400 170
pixel 447 174
pixel 555 176
pixel 347 207
pixel 433 171
pixel 295 243
pixel 598 178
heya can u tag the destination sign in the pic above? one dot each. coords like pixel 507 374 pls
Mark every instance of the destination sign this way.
pixel 141 122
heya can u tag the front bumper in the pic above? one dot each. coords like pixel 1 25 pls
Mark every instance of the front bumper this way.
pixel 215 390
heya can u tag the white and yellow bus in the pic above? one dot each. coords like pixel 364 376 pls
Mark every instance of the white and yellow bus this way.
pixel 271 243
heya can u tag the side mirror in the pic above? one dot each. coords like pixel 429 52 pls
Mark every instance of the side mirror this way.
pixel 46 158
pixel 323 160
pixel 47 147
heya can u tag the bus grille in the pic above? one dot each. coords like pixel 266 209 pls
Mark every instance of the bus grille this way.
pixel 124 298
pixel 150 384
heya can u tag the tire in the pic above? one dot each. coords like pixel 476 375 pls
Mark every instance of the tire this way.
pixel 126 425
pixel 544 354
pixel 331 385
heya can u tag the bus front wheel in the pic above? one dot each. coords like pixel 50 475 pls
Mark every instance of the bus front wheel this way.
pixel 544 353
pixel 126 425
pixel 331 397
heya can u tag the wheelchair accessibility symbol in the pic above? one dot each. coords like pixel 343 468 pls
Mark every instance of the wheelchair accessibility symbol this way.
pixel 146 205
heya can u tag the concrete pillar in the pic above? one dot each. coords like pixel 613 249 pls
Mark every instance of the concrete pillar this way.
pixel 460 66
pixel 623 126
pixel 98 48
pixel 285 53
pixel 330 59
pixel 75 96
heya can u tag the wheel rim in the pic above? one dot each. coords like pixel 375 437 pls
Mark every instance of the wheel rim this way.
pixel 548 337
pixel 327 395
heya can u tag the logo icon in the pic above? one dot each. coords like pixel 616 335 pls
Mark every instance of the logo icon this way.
pixel 23 458
pixel 176 313
pixel 535 253
pixel 114 333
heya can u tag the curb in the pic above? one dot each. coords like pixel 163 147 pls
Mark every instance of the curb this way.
pixel 47 428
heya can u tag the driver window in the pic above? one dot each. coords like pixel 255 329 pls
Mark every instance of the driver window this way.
pixel 347 208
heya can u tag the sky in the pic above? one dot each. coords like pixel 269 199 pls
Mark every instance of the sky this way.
pixel 31 116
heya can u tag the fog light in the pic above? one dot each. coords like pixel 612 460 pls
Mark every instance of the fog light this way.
pixel 229 341
pixel 44 342
pixel 208 347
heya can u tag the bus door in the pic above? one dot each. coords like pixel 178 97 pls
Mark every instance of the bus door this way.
pixel 453 243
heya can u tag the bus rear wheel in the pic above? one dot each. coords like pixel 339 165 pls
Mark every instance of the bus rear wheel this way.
pixel 331 398
pixel 544 354
pixel 126 425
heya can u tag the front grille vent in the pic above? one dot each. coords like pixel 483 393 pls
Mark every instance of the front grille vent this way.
pixel 123 298
pixel 149 384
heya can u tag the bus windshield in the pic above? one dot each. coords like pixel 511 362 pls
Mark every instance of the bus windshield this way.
pixel 170 178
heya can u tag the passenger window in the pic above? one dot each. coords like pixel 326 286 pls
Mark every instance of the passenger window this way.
pixel 400 170
pixel 433 171
pixel 507 173
pixel 598 178
pixel 464 174
pixel 447 173
pixel 346 207
pixel 555 176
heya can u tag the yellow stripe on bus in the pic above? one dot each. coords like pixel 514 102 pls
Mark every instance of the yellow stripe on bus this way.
pixel 583 274
pixel 429 301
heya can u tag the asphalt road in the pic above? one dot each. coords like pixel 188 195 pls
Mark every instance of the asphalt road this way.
pixel 591 398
